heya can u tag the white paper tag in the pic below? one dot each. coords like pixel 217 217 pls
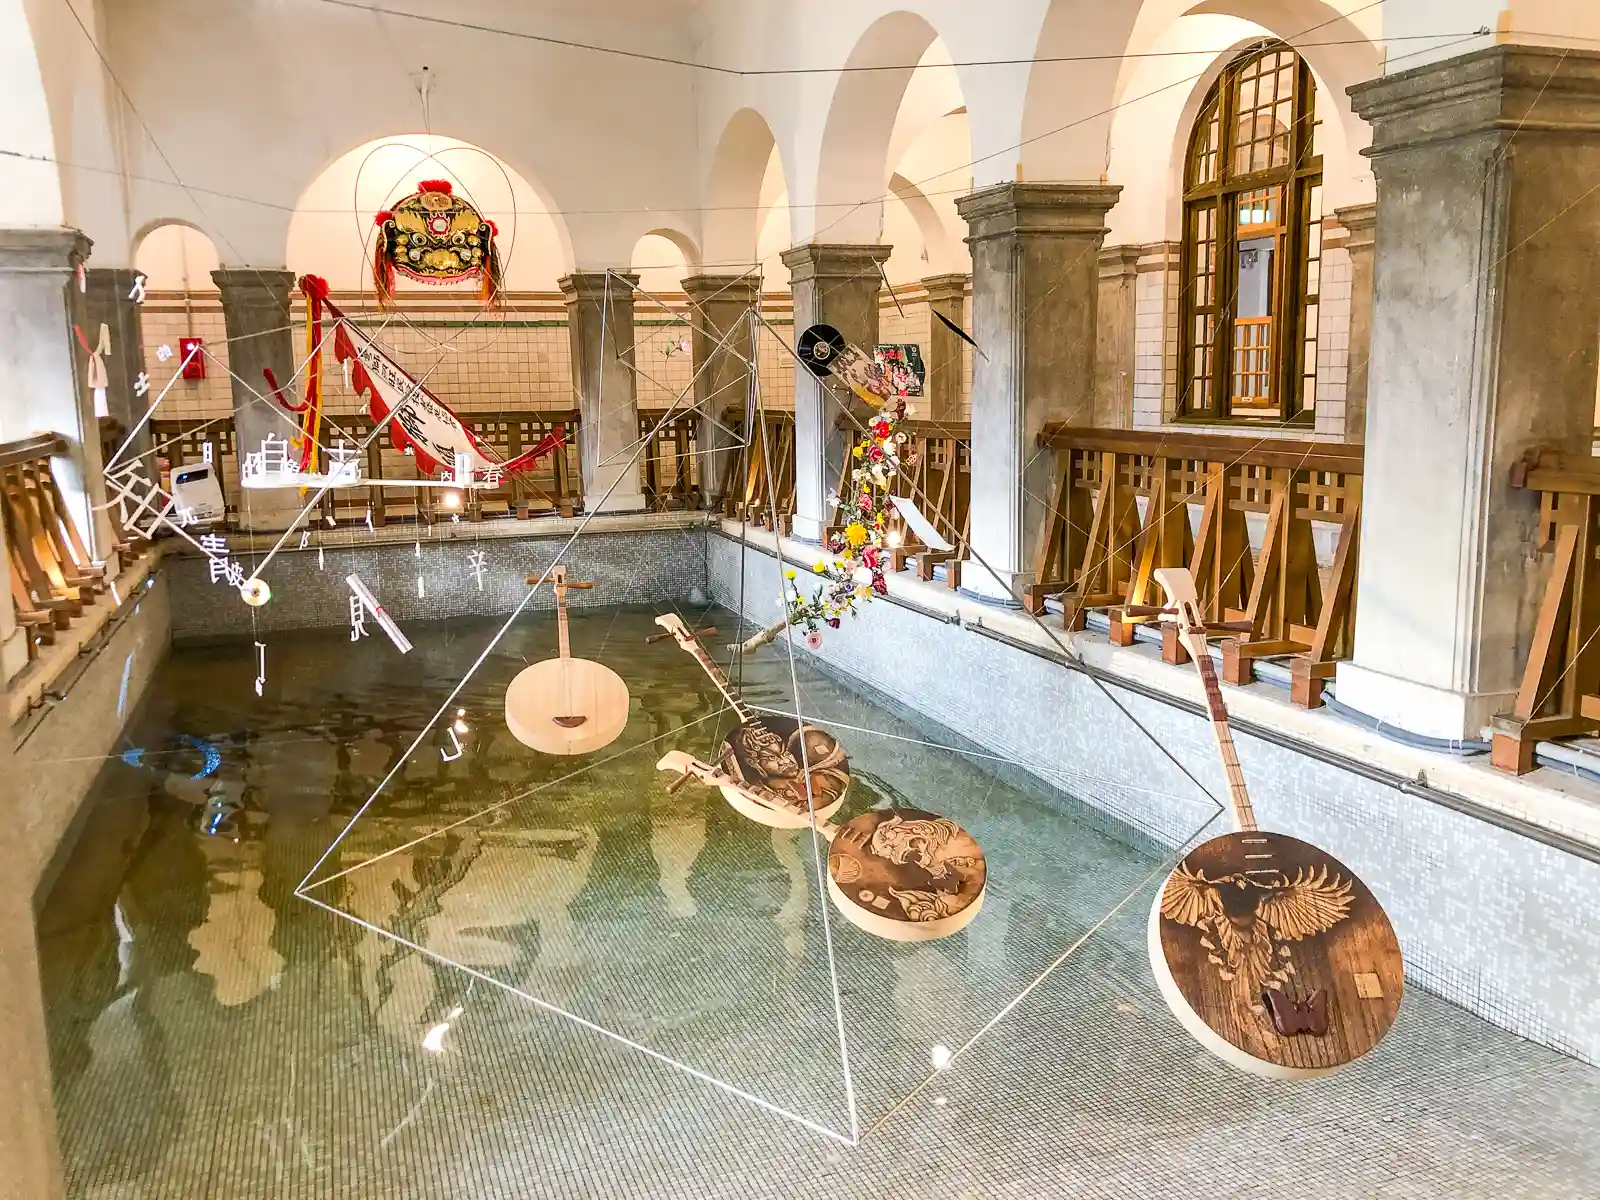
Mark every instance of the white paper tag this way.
pixel 920 525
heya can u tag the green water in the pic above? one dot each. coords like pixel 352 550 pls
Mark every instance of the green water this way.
pixel 182 968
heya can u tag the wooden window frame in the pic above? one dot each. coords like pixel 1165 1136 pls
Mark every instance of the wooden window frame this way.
pixel 1295 179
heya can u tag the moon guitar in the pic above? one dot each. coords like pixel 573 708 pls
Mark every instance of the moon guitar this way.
pixel 765 752
pixel 566 705
pixel 1272 954
pixel 900 874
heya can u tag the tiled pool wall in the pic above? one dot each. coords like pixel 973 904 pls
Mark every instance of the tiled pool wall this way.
pixel 1504 925
pixel 309 589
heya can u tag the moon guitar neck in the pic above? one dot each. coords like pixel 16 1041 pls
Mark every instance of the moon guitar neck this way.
pixel 686 638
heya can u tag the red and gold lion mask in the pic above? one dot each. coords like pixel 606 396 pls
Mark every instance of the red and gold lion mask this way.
pixel 434 236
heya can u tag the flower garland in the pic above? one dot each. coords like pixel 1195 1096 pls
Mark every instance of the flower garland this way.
pixel 862 548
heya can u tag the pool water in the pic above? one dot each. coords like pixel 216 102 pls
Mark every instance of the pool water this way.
pixel 521 975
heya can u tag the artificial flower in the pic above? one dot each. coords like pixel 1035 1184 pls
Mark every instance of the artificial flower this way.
pixel 856 534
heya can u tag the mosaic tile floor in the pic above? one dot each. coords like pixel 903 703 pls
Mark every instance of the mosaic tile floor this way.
pixel 216 1036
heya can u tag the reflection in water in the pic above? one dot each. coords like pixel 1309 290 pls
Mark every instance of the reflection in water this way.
pixel 676 839
pixel 518 877
pixel 795 857
pixel 234 941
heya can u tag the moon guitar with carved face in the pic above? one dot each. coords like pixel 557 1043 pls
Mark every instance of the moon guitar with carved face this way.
pixel 1271 953
pixel 772 752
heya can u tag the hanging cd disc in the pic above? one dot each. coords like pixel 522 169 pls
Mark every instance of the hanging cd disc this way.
pixel 818 347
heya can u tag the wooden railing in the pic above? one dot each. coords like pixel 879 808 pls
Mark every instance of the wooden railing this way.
pixel 553 486
pixel 672 467
pixel 750 492
pixel 1559 694
pixel 52 576
pixel 936 475
pixel 1099 546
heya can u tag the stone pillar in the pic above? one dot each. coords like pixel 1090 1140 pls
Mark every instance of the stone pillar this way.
pixel 43 370
pixel 30 1165
pixel 838 285
pixel 720 303
pixel 1115 320
pixel 258 312
pixel 1484 313
pixel 600 329
pixel 947 294
pixel 106 302
pixel 1360 222
pixel 1035 281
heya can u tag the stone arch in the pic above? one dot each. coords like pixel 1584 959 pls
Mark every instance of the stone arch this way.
pixel 175 255
pixel 937 244
pixel 30 185
pixel 662 259
pixel 735 206
pixel 1339 51
pixel 853 164
pixel 330 231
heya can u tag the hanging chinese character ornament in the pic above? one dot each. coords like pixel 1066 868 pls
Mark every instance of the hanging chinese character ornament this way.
pixel 435 237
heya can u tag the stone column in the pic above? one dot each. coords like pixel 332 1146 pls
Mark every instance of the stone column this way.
pixel 947 294
pixel 43 369
pixel 106 302
pixel 1035 282
pixel 31 1163
pixel 838 285
pixel 600 328
pixel 258 312
pixel 720 303
pixel 1360 222
pixel 1115 320
pixel 1484 313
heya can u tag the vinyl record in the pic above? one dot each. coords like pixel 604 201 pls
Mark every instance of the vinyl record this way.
pixel 818 347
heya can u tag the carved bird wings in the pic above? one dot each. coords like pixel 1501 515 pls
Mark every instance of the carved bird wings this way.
pixel 1302 907
pixel 1189 898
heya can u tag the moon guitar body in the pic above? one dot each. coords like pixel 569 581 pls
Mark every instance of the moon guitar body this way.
pixel 567 706
pixel 766 753
pixel 1274 956
pixel 906 875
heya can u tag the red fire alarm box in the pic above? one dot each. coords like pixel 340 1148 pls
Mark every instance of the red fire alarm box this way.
pixel 192 355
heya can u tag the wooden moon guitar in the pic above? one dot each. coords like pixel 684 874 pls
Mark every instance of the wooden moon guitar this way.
pixel 900 874
pixel 766 752
pixel 566 705
pixel 1271 953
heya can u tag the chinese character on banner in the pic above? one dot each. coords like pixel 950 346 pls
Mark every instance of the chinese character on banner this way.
pixel 235 572
pixel 141 384
pixel 194 357
pixel 163 352
pixel 218 568
pixel 476 563
pixel 137 294
pixel 358 618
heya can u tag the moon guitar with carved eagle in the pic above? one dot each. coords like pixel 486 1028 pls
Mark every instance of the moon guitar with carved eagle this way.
pixel 1271 952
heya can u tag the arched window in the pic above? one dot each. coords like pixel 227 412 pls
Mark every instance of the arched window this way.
pixel 1252 243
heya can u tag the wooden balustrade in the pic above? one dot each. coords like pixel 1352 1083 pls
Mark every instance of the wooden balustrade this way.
pixel 1121 507
pixel 1559 695
pixel 554 485
pixel 673 470
pixel 750 492
pixel 52 575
